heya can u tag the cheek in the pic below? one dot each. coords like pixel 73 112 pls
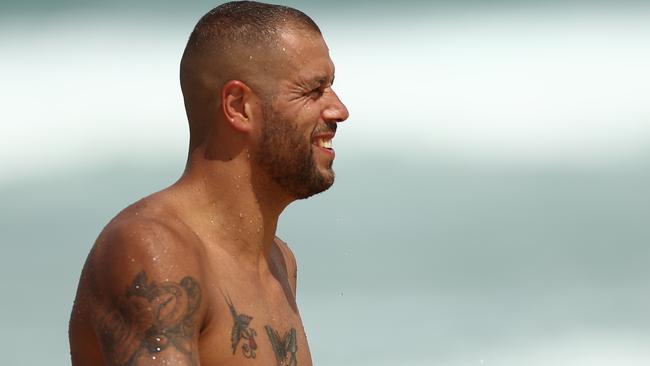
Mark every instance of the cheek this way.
pixel 311 111
pixel 310 114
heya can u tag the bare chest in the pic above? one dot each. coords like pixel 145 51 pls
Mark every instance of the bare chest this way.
pixel 249 330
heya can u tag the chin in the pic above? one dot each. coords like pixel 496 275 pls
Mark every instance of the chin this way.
pixel 323 183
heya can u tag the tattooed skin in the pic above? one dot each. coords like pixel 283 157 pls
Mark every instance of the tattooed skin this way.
pixel 151 318
pixel 241 330
pixel 285 348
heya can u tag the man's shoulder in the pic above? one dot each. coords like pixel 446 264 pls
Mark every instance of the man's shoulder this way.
pixel 144 239
pixel 287 253
pixel 289 261
pixel 140 227
pixel 143 275
pixel 152 220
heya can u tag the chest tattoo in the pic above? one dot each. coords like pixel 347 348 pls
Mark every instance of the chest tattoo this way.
pixel 241 330
pixel 285 348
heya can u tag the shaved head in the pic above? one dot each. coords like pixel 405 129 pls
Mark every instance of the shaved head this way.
pixel 239 40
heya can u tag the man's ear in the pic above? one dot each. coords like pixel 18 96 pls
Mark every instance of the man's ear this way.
pixel 236 99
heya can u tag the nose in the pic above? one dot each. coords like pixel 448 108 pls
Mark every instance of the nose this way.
pixel 335 110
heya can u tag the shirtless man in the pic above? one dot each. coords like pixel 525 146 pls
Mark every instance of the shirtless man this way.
pixel 194 274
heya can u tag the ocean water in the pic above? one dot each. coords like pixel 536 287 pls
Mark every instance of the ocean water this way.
pixel 492 203
pixel 407 262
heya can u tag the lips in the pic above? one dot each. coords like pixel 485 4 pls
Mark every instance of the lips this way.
pixel 324 135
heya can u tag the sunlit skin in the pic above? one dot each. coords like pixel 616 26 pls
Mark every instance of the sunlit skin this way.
pixel 308 102
pixel 214 229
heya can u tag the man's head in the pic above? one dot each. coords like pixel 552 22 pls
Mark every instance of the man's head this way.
pixel 258 76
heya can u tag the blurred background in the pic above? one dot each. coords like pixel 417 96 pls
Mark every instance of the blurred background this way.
pixel 492 203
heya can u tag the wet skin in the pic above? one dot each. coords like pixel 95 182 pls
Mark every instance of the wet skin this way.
pixel 194 274
pixel 153 292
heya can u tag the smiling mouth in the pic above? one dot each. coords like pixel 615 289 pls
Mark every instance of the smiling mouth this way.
pixel 324 142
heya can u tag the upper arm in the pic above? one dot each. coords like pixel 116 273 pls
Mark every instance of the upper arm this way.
pixel 148 305
pixel 290 262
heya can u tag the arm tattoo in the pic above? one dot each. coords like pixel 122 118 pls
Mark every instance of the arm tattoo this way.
pixel 151 318
pixel 241 330
pixel 285 348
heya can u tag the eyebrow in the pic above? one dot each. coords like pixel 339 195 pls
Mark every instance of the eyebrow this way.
pixel 320 80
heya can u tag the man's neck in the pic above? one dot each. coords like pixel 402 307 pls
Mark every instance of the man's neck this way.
pixel 238 209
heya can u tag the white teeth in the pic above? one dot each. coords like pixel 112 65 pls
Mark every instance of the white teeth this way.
pixel 325 143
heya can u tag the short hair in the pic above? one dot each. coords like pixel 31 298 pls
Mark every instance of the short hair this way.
pixel 239 25
pixel 246 23
pixel 219 37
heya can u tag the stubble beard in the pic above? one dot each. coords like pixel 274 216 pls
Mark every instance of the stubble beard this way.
pixel 288 159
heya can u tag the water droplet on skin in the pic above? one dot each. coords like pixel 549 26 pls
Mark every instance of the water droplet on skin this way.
pixel 284 49
pixel 250 57
pixel 241 215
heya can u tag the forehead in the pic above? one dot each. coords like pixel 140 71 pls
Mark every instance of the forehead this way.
pixel 305 56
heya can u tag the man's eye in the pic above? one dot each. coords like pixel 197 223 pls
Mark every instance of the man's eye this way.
pixel 315 93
